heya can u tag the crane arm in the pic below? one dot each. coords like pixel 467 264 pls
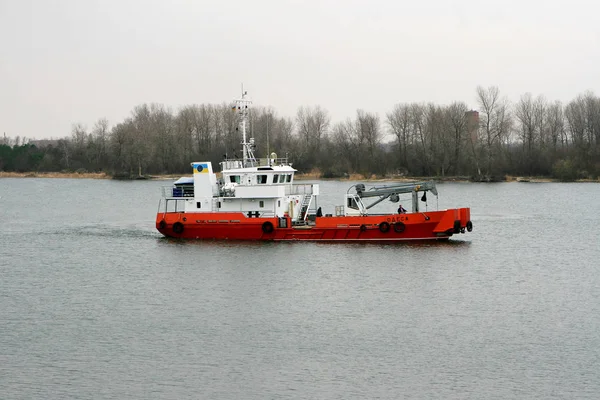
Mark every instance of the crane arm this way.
pixel 388 190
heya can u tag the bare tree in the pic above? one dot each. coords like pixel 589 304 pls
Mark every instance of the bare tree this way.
pixel 576 125
pixel 526 116
pixel 347 143
pixel 161 138
pixel 456 116
pixel 121 141
pixel 100 137
pixel 419 128
pixel 496 122
pixel 556 129
pixel 368 128
pixel 312 124
pixel 592 109
pixel 399 124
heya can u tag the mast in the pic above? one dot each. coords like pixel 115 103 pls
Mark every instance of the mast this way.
pixel 242 105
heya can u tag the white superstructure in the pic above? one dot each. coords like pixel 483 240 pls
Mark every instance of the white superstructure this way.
pixel 256 187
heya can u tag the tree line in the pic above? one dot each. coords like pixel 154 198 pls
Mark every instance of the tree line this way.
pixel 533 137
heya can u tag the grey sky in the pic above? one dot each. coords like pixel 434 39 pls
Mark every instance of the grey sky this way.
pixel 69 61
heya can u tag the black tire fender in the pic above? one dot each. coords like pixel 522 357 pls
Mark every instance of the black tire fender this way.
pixel 469 226
pixel 384 227
pixel 162 224
pixel 178 228
pixel 267 227
pixel 399 227
pixel 456 226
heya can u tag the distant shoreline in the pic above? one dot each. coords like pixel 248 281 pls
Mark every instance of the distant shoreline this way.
pixel 87 175
pixel 298 176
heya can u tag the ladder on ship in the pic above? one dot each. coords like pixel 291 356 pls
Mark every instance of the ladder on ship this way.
pixel 306 200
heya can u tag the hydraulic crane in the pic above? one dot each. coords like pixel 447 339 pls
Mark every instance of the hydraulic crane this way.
pixel 393 191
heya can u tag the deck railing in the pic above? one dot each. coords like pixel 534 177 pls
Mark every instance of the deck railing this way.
pixel 306 189
pixel 178 192
pixel 171 205
pixel 170 191
pixel 230 163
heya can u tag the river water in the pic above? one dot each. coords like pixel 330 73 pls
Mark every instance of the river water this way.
pixel 95 304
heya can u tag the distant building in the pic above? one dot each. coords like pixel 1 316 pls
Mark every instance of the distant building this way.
pixel 472 124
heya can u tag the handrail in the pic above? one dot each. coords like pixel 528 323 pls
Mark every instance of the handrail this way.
pixel 176 192
pixel 298 189
pixel 234 163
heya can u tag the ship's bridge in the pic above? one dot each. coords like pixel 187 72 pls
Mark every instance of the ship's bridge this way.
pixel 277 174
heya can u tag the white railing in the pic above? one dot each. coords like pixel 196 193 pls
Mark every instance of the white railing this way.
pixel 170 205
pixel 306 189
pixel 260 162
pixel 177 192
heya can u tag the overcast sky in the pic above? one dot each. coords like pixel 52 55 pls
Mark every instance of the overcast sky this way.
pixel 70 61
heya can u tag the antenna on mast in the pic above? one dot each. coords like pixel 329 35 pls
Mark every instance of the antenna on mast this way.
pixel 243 110
pixel 268 153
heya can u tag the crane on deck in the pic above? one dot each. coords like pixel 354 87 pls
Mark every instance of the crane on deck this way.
pixel 393 191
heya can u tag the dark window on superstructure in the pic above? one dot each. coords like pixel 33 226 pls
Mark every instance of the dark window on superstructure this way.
pixel 261 203
pixel 219 204
pixel 234 178
pixel 261 179
pixel 278 203
pixel 198 204
pixel 352 203
pixel 289 178
pixel 281 178
pixel 275 178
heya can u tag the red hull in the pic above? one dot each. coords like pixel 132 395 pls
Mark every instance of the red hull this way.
pixel 389 227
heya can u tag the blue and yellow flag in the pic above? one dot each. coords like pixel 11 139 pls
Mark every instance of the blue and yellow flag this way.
pixel 200 168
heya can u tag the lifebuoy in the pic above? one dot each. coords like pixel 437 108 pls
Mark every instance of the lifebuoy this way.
pixel 267 227
pixel 469 226
pixel 363 227
pixel 178 228
pixel 399 227
pixel 162 224
pixel 384 227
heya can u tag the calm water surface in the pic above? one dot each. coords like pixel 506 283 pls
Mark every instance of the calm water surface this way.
pixel 95 304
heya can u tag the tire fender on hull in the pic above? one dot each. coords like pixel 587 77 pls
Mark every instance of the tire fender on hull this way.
pixel 384 227
pixel 399 227
pixel 456 228
pixel 178 228
pixel 267 227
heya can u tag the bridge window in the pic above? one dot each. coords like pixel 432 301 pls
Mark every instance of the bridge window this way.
pixel 275 178
pixel 281 178
pixel 234 179
pixel 289 178
pixel 261 179
pixel 198 204
pixel 261 203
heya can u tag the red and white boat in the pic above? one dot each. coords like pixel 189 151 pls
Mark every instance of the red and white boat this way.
pixel 257 199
